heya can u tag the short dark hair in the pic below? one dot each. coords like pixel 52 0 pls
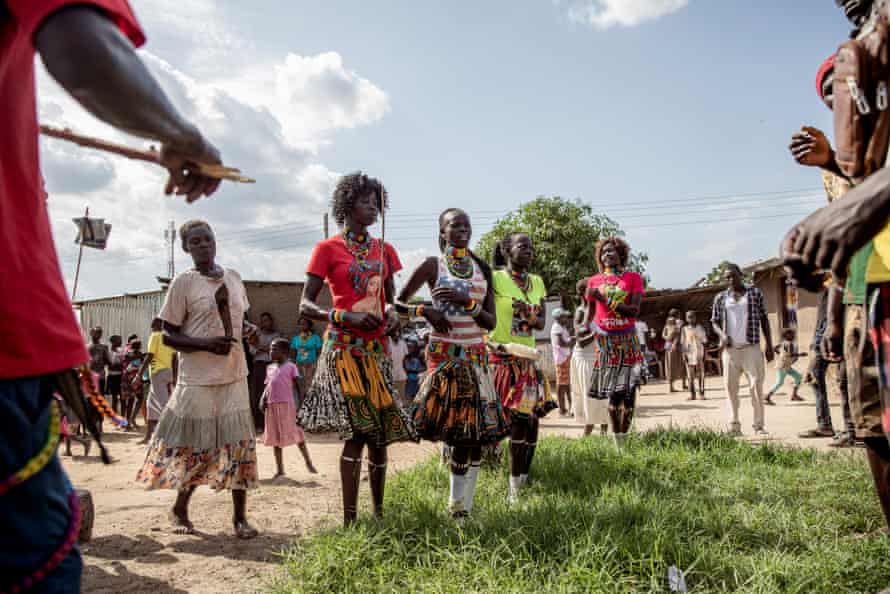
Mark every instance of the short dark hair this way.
pixel 620 246
pixel 350 188
pixel 266 315
pixel 280 343
pixel 189 226
pixel 501 254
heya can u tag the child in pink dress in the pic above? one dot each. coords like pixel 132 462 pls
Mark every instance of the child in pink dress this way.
pixel 281 412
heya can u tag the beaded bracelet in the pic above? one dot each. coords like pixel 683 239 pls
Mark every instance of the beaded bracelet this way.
pixel 473 308
pixel 417 312
pixel 336 316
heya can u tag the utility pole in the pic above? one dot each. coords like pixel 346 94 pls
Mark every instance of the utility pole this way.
pixel 80 237
pixel 326 234
pixel 170 236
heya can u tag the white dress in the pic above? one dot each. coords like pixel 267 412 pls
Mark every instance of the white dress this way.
pixel 588 411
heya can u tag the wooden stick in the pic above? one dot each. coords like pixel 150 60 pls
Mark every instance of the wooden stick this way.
pixel 150 156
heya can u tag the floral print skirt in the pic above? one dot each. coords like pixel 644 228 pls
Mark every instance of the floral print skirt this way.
pixel 205 436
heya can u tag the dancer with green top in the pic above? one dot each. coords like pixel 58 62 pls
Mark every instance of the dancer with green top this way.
pixel 524 392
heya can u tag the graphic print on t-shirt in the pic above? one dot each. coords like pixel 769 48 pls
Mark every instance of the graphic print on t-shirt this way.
pixel 368 284
pixel 522 325
pixel 460 286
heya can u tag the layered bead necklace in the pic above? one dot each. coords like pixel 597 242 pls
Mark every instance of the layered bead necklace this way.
pixel 459 262
pixel 521 279
pixel 359 246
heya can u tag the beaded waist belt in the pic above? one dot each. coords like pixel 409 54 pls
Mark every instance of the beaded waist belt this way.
pixel 474 353
pixel 356 345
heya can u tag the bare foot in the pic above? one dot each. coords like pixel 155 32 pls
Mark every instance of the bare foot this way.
pixel 311 469
pixel 181 522
pixel 796 398
pixel 86 447
pixel 245 531
pixel 691 398
pixel 278 475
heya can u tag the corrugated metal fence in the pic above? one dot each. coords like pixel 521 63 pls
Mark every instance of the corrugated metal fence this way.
pixel 124 315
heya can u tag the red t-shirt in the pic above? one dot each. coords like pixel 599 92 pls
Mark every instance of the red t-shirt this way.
pixel 621 287
pixel 38 331
pixel 354 287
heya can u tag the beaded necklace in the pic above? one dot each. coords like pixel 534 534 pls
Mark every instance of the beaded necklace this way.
pixel 459 262
pixel 359 246
pixel 522 280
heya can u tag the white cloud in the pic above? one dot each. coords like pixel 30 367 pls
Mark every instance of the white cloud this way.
pixel 270 117
pixel 603 14
pixel 312 96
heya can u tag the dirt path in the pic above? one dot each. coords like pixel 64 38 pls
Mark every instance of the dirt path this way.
pixel 133 551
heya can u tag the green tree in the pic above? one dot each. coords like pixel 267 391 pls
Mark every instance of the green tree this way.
pixel 564 233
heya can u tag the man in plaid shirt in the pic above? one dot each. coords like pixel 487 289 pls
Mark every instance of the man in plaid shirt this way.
pixel 739 318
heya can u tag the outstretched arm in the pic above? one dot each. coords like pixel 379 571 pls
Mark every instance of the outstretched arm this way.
pixel 89 57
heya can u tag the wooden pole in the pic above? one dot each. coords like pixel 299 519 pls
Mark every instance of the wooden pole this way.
pixel 86 215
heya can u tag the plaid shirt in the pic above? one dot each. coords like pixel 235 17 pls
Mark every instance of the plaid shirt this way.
pixel 756 312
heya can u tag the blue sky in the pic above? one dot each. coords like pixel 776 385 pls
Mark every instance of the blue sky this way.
pixel 481 105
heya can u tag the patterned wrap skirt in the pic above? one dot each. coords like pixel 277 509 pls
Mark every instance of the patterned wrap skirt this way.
pixel 457 402
pixel 616 367
pixel 522 388
pixel 352 394
pixel 205 436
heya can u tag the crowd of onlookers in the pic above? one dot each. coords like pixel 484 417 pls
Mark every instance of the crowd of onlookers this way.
pixel 138 381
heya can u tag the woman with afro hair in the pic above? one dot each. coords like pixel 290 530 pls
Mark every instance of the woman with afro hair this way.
pixel 352 391
pixel 613 304
pixel 524 392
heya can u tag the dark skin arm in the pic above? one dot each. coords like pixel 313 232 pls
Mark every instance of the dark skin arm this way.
pixel 627 310
pixel 90 58
pixel 175 338
pixel 833 338
pixel 828 238
pixel 769 353
pixel 365 321
pixel 146 361
pixel 428 273
pixel 810 147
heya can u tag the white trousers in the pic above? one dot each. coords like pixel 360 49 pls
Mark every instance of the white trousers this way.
pixel 747 360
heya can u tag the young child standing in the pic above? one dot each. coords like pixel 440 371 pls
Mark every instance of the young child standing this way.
pixel 280 410
pixel 788 355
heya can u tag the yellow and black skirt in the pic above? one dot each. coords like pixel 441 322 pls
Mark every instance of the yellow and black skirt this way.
pixel 352 393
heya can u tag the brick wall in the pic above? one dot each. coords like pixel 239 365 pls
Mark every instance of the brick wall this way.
pixel 282 300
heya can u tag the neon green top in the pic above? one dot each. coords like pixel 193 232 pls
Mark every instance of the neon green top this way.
pixel 512 326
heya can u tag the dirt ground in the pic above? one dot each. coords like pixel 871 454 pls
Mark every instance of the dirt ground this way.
pixel 133 549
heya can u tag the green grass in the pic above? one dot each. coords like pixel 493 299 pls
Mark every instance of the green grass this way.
pixel 734 517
